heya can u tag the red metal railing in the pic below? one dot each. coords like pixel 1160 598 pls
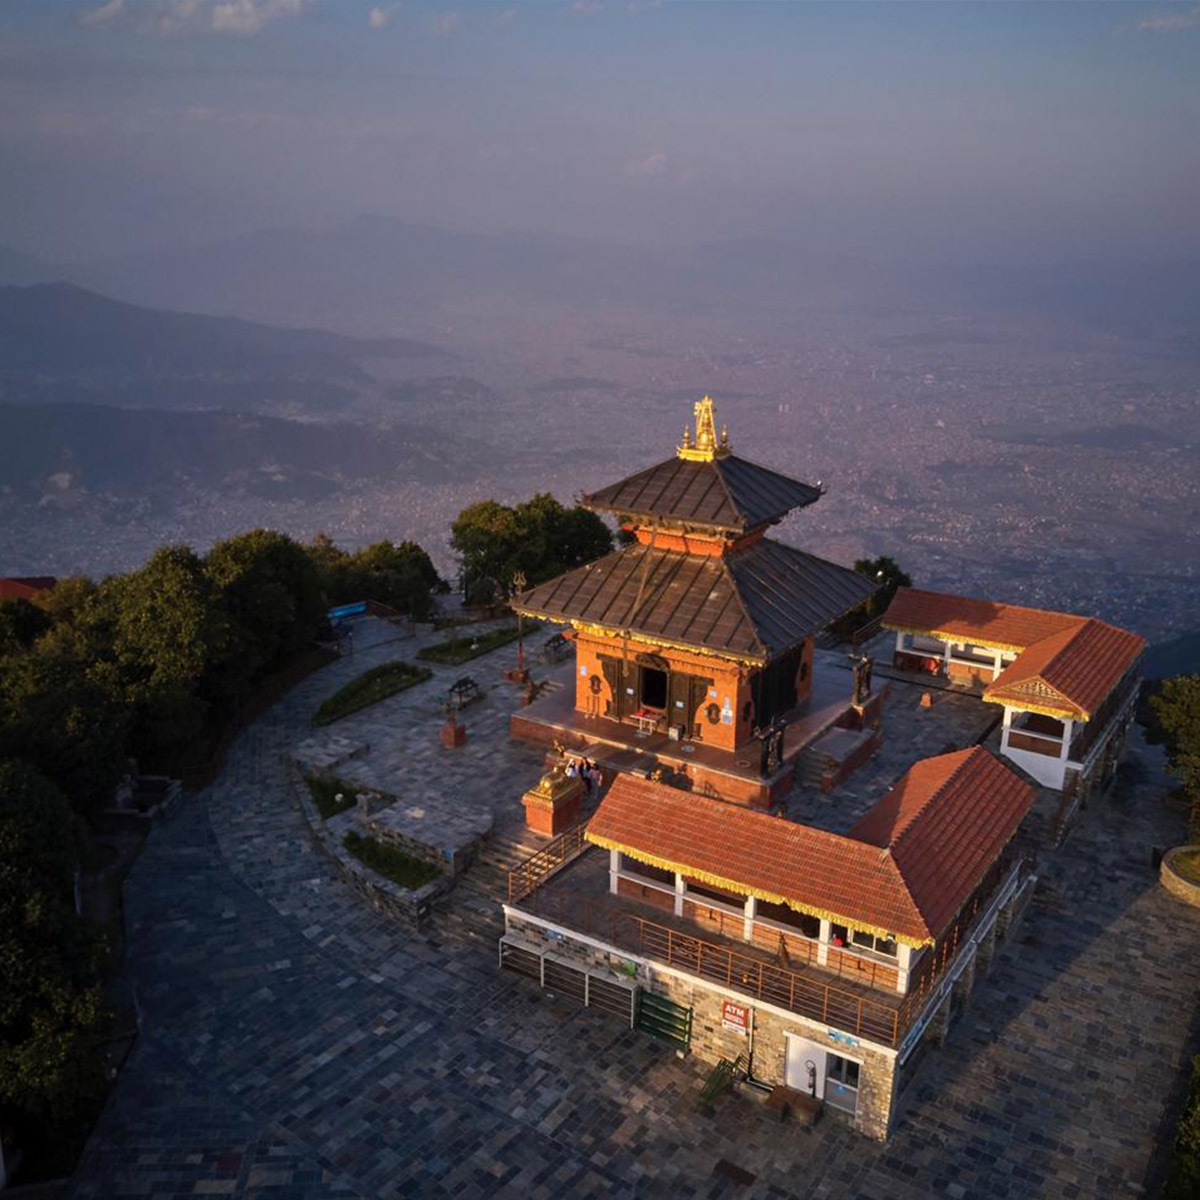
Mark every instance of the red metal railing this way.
pixel 805 995
pixel 528 876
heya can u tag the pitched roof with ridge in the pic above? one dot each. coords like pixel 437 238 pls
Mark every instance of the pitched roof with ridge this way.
pixel 905 870
pixel 727 493
pixel 1065 665
pixel 754 604
pixel 965 618
pixel 25 587
pixel 1071 672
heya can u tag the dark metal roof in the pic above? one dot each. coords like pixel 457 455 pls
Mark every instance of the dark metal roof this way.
pixel 755 603
pixel 725 493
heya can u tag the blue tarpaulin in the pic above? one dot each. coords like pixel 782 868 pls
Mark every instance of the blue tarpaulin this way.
pixel 342 611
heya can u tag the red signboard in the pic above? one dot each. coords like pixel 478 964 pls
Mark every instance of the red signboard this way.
pixel 735 1016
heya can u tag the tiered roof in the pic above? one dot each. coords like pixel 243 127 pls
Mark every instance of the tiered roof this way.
pixel 1066 664
pixel 728 495
pixel 754 604
pixel 744 596
pixel 905 871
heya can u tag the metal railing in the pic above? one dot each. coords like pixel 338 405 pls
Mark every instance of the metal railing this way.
pixel 762 980
pixel 528 876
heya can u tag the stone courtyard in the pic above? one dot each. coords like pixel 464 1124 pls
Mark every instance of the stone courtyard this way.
pixel 295 1043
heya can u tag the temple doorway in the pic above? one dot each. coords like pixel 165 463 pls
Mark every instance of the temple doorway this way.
pixel 653 688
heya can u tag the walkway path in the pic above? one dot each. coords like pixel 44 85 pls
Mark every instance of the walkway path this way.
pixel 297 1044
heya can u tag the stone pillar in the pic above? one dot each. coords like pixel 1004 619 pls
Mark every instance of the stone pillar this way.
pixel 364 805
pixel 823 945
pixel 986 953
pixel 965 983
pixel 939 1024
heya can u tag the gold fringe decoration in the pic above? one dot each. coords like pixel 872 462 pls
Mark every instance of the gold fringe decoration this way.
pixel 664 864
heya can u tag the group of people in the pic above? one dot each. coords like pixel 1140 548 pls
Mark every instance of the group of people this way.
pixel 592 776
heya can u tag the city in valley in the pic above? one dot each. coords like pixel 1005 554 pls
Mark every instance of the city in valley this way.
pixel 598 600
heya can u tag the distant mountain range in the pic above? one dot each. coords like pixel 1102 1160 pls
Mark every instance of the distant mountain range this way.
pixel 60 327
pixel 371 272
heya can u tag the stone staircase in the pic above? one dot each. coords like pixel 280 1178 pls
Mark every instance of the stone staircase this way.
pixel 471 910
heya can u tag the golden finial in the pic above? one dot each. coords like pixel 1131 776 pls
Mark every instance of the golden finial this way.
pixel 706 447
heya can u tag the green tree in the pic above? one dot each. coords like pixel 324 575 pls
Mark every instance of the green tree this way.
pixel 487 538
pixel 1177 707
pixel 21 623
pixel 539 537
pixel 887 576
pixel 51 1013
pixel 167 630
pixel 269 592
pixel 67 716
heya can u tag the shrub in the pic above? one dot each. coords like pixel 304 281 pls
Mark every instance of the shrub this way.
pixel 369 688
pixel 390 862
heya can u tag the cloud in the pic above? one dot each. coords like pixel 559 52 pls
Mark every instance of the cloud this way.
pixel 105 14
pixel 446 24
pixel 645 168
pixel 180 18
pixel 1171 22
pixel 380 17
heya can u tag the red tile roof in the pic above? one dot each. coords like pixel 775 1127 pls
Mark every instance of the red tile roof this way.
pixel 25 587
pixel 1065 664
pixel 925 848
pixel 1072 672
pixel 945 822
pixel 984 622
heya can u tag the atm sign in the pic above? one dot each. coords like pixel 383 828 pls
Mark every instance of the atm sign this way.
pixel 735 1016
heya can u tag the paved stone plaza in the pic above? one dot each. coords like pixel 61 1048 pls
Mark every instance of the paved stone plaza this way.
pixel 296 1044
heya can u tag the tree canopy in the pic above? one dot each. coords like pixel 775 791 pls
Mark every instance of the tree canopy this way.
pixel 51 1011
pixel 539 538
pixel 1177 707
pixel 888 577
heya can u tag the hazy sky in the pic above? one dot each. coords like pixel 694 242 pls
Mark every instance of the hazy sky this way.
pixel 959 131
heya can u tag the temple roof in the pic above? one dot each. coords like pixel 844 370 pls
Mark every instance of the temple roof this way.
pixel 722 493
pixel 754 604
pixel 1071 672
pixel 905 870
pixel 1066 665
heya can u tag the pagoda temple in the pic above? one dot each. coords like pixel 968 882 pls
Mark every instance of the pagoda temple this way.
pixel 694 643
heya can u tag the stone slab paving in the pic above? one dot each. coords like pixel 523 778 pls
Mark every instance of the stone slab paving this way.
pixel 295 1043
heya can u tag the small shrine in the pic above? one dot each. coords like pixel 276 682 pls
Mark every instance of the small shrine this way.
pixel 694 643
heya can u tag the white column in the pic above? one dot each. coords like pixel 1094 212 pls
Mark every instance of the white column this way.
pixel 1008 716
pixel 946 645
pixel 679 886
pixel 904 965
pixel 750 911
pixel 997 663
pixel 614 865
pixel 900 638
pixel 823 944
pixel 1068 726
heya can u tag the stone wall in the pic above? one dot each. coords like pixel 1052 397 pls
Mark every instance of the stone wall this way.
pixel 712 1041
pixel 1179 887
pixel 410 906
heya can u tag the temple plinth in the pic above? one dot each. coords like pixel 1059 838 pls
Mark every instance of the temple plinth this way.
pixel 696 639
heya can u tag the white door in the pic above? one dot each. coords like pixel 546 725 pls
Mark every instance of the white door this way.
pixel 805 1066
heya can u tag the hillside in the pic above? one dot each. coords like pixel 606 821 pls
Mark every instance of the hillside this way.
pixel 60 327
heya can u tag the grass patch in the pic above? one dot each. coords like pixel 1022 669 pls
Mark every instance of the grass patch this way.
pixel 1188 865
pixel 369 688
pixel 390 862
pixel 324 790
pixel 460 650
